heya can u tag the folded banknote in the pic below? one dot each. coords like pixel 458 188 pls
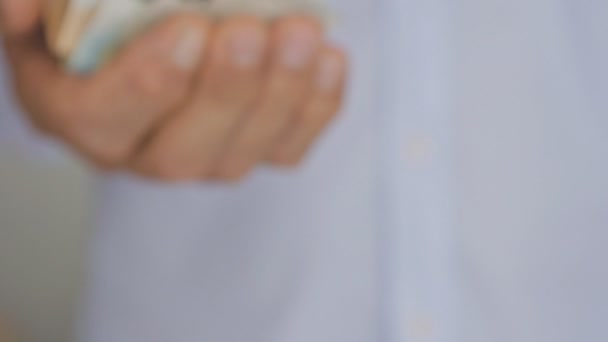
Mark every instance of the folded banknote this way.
pixel 85 33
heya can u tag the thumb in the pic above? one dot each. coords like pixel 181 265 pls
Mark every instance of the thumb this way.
pixel 19 16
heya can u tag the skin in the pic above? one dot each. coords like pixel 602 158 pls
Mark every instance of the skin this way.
pixel 190 100
pixel 6 334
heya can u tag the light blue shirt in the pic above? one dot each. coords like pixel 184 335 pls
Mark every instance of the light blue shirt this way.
pixel 461 197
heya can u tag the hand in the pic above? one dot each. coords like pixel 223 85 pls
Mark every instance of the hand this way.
pixel 190 99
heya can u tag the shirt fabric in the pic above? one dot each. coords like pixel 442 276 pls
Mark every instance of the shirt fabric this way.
pixel 462 196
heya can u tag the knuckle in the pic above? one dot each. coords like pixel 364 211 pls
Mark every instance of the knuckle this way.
pixel 82 129
pixel 106 149
pixel 222 94
pixel 145 75
pixel 173 174
pixel 249 147
pixel 110 155
pixel 234 170
pixel 172 171
pixel 150 81
pixel 284 157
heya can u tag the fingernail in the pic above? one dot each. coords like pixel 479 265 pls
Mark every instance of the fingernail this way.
pixel 298 47
pixel 189 48
pixel 330 73
pixel 246 47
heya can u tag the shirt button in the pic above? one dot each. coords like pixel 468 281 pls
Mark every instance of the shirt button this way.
pixel 418 149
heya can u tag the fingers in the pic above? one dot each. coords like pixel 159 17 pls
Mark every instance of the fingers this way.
pixel 296 45
pixel 106 116
pixel 190 100
pixel 320 110
pixel 43 88
pixel 132 94
pixel 19 16
pixel 260 86
pixel 190 142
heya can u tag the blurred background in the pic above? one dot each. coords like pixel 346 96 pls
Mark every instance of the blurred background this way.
pixel 43 210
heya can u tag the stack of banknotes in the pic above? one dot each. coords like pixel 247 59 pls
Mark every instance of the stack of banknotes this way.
pixel 85 33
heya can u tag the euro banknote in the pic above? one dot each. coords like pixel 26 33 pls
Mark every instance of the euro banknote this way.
pixel 90 32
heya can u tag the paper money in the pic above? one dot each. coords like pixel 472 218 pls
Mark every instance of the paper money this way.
pixel 89 32
pixel 53 16
pixel 65 21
